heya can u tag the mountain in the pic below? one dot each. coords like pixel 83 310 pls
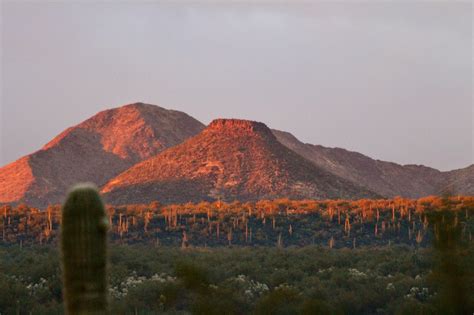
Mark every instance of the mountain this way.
pixel 232 160
pixel 95 150
pixel 385 178
pixel 459 182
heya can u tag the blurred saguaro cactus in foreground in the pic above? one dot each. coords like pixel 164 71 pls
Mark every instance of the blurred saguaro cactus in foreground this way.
pixel 84 251
pixel 452 272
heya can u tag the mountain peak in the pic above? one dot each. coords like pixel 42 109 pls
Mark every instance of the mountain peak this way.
pixel 139 104
pixel 239 126
pixel 226 123
pixel 142 106
pixel 95 150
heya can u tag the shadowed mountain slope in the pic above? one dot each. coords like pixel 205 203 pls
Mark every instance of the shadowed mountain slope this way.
pixel 385 178
pixel 459 181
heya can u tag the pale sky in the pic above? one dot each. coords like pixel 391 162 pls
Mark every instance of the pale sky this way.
pixel 390 80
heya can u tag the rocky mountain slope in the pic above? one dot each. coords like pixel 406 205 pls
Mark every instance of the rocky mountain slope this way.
pixel 95 150
pixel 459 182
pixel 232 160
pixel 385 178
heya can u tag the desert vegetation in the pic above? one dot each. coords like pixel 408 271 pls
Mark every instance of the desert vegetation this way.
pixel 244 280
pixel 396 256
pixel 282 223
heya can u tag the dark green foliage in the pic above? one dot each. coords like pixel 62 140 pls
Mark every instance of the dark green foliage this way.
pixel 321 278
pixel 194 278
pixel 84 251
pixel 282 301
pixel 452 273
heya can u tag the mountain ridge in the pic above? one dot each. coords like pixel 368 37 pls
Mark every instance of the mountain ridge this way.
pixel 386 178
pixel 230 159
pixel 114 140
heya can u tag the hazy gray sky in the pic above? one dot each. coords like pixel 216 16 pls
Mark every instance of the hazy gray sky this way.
pixel 390 80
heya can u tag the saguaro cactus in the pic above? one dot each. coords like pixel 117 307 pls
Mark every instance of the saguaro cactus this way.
pixel 84 251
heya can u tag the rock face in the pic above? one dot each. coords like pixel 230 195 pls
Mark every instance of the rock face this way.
pixel 385 178
pixel 95 150
pixel 232 160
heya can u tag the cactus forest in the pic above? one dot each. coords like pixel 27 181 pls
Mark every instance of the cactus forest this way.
pixel 273 223
pixel 268 257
